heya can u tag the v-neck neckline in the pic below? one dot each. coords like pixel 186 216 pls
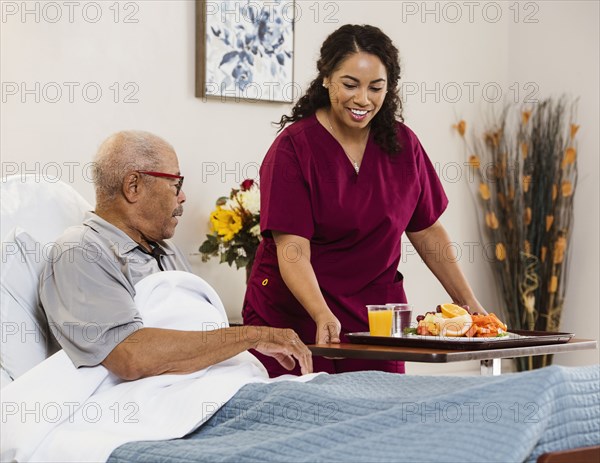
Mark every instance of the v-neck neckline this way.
pixel 348 162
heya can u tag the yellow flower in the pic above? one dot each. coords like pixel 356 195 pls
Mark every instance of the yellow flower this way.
pixel 226 223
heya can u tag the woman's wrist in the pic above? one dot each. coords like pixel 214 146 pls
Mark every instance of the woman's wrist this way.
pixel 474 305
pixel 320 315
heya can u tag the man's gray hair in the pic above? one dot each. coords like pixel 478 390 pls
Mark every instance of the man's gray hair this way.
pixel 121 154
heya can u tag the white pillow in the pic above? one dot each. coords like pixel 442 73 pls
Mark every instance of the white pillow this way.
pixel 24 329
pixel 45 208
pixel 5 379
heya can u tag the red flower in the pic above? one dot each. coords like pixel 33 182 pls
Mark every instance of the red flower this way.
pixel 247 184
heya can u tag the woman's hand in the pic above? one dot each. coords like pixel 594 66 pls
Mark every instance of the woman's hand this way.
pixel 328 329
pixel 474 306
pixel 444 265
pixel 293 256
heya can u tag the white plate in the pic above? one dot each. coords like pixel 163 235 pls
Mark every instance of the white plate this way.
pixel 465 338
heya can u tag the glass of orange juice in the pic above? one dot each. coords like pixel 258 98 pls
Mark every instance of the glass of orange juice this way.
pixel 381 318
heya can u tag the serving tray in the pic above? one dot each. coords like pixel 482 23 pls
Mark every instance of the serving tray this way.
pixel 515 338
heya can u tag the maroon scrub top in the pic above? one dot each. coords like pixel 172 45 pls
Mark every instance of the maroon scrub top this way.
pixel 354 223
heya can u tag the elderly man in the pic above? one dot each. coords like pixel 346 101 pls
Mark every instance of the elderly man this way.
pixel 91 279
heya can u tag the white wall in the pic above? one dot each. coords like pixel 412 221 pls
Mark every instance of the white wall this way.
pixel 440 50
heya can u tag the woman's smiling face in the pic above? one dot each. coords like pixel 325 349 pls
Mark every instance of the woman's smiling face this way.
pixel 357 90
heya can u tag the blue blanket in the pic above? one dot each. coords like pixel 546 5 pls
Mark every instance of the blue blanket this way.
pixel 373 416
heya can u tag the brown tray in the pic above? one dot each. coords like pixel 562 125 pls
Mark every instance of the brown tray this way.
pixel 515 338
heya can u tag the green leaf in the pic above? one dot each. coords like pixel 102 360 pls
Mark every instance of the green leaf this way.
pixel 209 247
pixel 241 261
pixel 231 255
pixel 213 238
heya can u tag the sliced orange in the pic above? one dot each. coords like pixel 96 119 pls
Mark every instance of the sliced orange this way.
pixel 453 310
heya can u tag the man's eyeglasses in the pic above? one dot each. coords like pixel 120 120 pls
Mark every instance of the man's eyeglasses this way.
pixel 164 175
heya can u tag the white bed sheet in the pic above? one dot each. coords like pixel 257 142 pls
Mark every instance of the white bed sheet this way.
pixel 84 414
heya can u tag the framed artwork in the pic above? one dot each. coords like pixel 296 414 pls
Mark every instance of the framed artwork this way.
pixel 245 49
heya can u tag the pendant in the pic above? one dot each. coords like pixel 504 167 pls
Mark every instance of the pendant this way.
pixel 356 166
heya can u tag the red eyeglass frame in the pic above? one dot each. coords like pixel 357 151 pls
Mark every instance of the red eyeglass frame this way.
pixel 165 175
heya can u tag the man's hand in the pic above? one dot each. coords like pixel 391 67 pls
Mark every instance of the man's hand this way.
pixel 156 351
pixel 284 345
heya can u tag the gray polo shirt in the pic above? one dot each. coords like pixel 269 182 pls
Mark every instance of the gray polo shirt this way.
pixel 87 287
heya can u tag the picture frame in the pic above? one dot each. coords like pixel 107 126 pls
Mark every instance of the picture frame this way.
pixel 245 50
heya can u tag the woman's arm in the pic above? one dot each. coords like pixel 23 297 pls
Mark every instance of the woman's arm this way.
pixel 293 256
pixel 444 265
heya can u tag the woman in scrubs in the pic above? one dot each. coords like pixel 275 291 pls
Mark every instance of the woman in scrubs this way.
pixel 338 187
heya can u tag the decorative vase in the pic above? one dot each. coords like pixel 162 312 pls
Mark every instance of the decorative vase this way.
pixel 525 163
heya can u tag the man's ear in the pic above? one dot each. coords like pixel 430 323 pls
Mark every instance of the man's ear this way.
pixel 132 187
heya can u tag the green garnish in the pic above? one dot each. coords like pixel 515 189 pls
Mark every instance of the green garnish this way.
pixel 409 330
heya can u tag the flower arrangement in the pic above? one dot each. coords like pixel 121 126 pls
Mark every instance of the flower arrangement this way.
pixel 525 166
pixel 235 225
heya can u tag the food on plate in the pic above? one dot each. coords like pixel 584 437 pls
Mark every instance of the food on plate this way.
pixel 453 320
pixel 452 310
pixel 488 325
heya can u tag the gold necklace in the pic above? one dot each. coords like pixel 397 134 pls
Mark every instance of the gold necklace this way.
pixel 355 164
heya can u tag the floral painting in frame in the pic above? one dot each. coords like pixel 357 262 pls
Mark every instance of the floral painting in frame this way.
pixel 245 49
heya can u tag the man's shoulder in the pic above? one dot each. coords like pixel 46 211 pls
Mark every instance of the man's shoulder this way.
pixel 84 239
pixel 76 235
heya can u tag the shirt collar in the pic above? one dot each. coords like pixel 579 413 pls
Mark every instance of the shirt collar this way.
pixel 122 242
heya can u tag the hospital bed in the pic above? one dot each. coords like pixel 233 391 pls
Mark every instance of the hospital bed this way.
pixel 549 416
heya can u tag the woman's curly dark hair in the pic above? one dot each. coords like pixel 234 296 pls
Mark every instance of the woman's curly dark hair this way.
pixel 345 41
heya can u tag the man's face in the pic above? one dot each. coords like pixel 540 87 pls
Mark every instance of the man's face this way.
pixel 161 204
